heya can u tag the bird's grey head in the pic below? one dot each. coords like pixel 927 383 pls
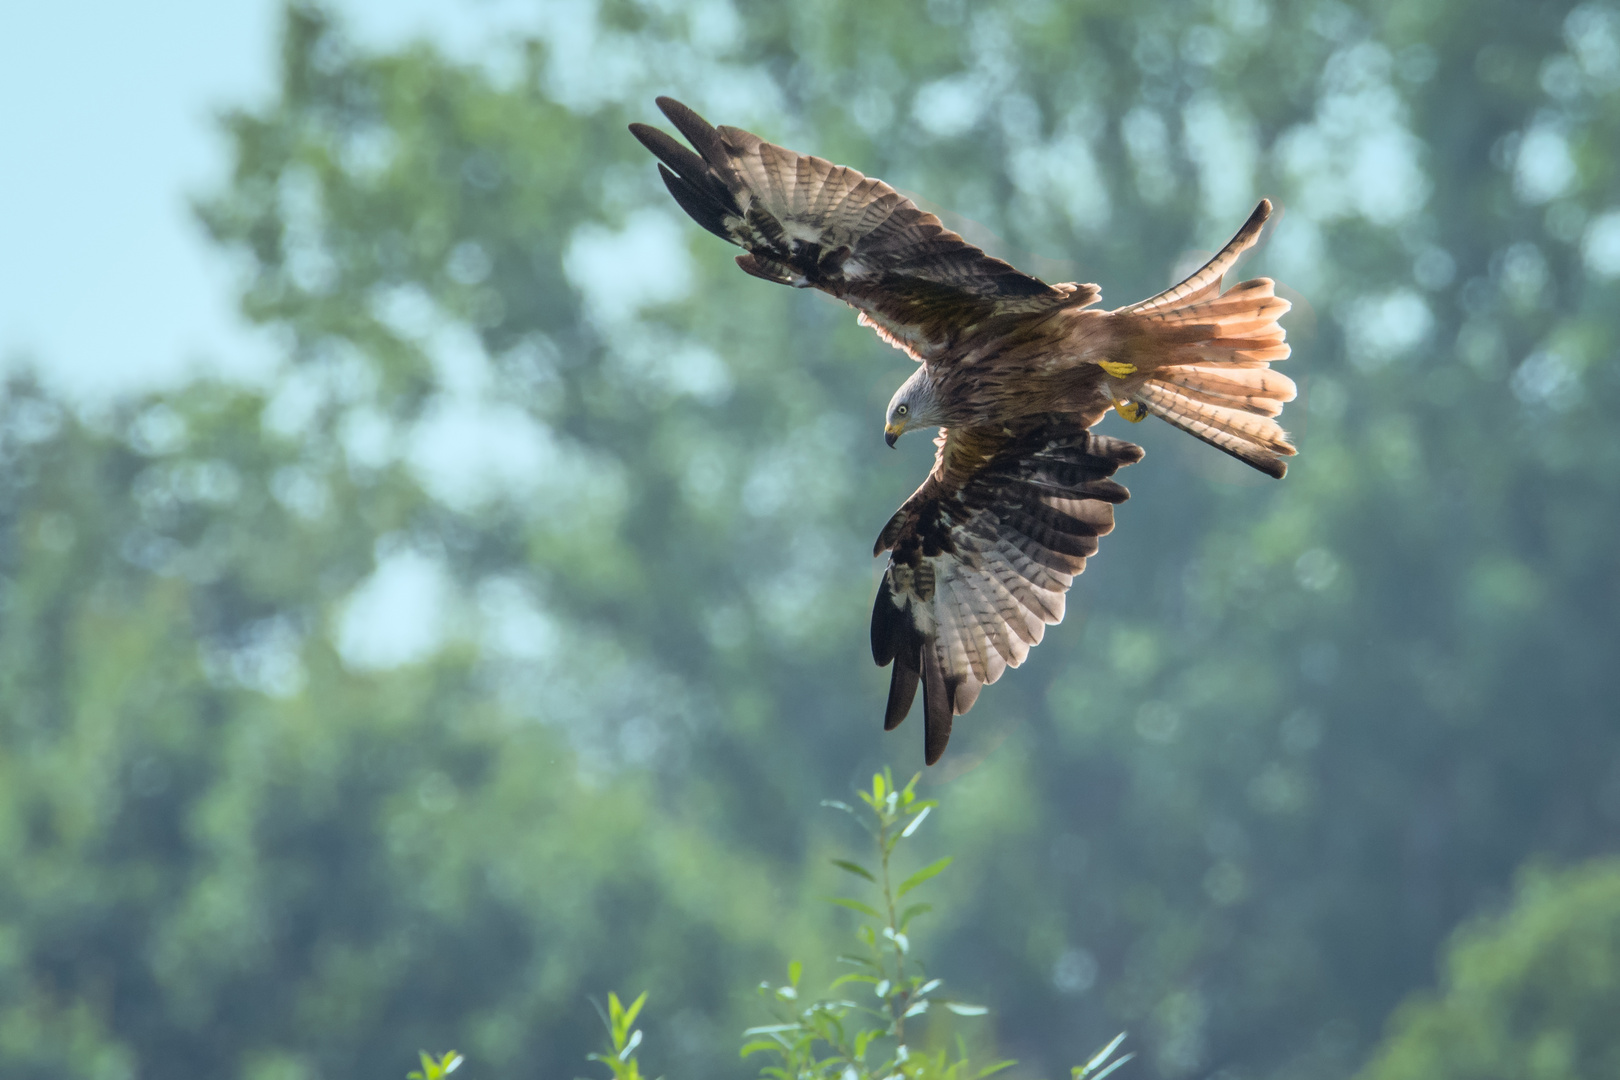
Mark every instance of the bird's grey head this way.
pixel 914 405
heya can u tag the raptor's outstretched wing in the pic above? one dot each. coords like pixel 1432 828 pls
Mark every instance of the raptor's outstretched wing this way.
pixel 807 222
pixel 983 554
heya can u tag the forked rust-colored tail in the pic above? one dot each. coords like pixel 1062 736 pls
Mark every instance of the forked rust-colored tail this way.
pixel 1212 355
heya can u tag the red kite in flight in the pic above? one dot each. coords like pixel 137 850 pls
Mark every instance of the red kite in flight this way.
pixel 1013 371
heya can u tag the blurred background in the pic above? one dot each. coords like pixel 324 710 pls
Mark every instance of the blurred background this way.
pixel 433 580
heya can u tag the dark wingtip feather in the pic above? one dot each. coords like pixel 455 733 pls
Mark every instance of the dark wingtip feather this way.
pixel 902 691
pixel 666 103
pixel 885 616
pixel 698 131
pixel 936 706
pixel 664 147
pixel 1126 453
pixel 702 209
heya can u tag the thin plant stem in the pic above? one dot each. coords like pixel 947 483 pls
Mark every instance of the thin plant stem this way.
pixel 897 1013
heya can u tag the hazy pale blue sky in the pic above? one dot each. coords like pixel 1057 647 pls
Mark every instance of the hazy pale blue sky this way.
pixel 108 284
pixel 106 128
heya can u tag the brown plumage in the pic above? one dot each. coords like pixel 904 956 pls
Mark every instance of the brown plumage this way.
pixel 1014 371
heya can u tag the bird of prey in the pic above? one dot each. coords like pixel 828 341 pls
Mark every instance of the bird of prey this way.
pixel 1013 371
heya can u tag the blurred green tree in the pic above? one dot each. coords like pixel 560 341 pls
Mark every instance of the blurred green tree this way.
pixel 1287 739
pixel 1530 993
pixel 226 853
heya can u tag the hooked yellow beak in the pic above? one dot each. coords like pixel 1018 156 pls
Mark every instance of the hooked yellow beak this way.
pixel 892 432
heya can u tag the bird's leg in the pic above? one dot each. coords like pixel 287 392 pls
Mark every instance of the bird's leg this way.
pixel 1130 410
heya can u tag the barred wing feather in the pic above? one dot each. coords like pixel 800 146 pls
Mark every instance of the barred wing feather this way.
pixel 806 222
pixel 980 563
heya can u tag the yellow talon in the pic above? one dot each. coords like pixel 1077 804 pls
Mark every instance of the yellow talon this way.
pixel 1117 369
pixel 1131 411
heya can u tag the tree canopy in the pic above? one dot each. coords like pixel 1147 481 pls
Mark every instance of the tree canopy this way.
pixel 1533 992
pixel 258 823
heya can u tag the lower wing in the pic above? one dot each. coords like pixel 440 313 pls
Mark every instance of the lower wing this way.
pixel 982 555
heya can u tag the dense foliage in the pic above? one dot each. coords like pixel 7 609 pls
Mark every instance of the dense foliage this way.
pixel 860 1031
pixel 1531 993
pixel 262 817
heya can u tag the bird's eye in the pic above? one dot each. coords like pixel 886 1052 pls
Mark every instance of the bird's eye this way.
pixel 901 410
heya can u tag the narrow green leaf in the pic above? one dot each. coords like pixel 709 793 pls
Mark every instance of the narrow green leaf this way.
pixel 834 804
pixel 1114 1066
pixel 769 1029
pixel 931 870
pixel 855 868
pixel 795 969
pixel 918 1008
pixel 851 977
pixel 991 1070
pixel 912 912
pixel 634 1010
pixel 757 1045
pixel 1100 1056
pixel 929 987
pixel 849 958
pixel 960 1009
pixel 916 821
pixel 853 905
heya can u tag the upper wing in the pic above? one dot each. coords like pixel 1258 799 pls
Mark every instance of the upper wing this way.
pixel 807 222
pixel 983 553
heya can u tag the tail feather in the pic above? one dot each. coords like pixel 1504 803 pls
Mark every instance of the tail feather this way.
pixel 1254 298
pixel 1208 356
pixel 1206 281
pixel 1257 389
pixel 1253 439
pixel 1259 404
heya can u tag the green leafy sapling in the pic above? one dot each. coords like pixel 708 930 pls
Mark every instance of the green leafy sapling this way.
pixel 866 1039
pixel 623 1038
pixel 1099 1066
pixel 436 1068
pixel 837 1038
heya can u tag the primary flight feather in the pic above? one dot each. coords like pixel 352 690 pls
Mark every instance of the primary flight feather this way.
pixel 1013 371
